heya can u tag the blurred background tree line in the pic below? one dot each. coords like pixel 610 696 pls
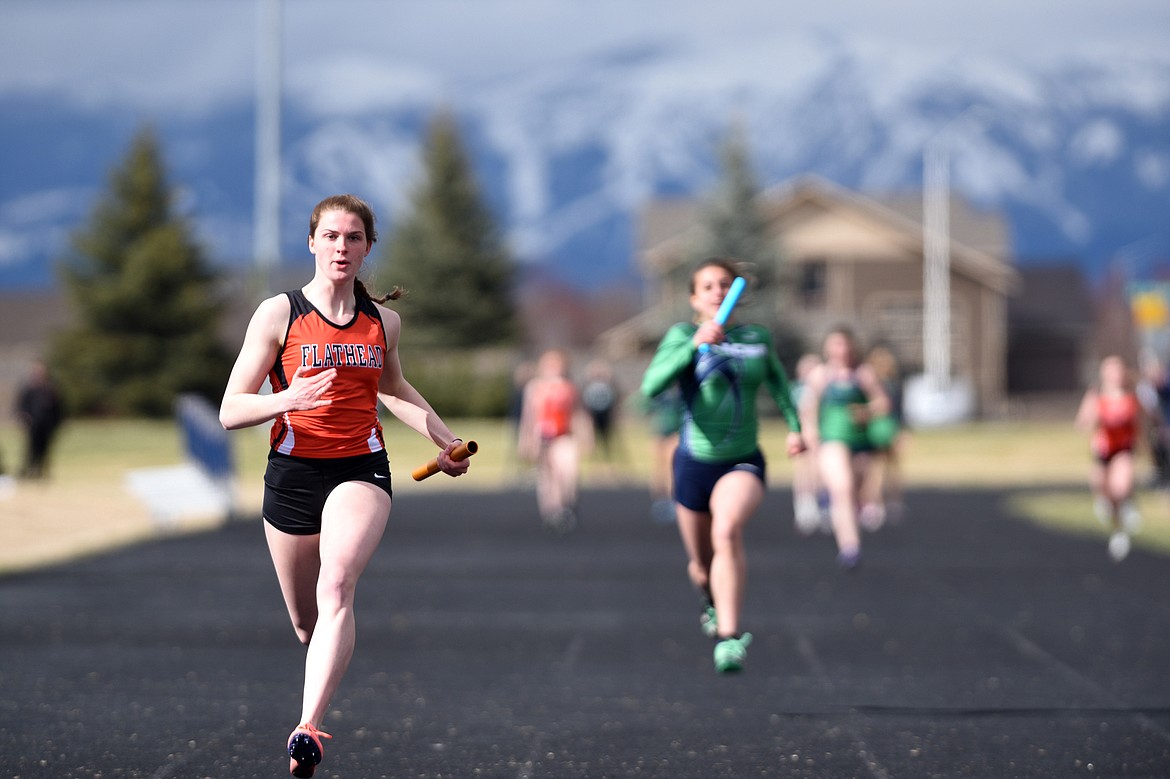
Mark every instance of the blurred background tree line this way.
pixel 147 302
pixel 149 305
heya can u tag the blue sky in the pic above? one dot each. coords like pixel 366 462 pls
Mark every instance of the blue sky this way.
pixel 508 64
pixel 189 55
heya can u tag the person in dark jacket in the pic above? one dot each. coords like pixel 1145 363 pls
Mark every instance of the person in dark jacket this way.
pixel 40 412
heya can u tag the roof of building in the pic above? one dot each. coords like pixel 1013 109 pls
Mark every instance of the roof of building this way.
pixel 980 241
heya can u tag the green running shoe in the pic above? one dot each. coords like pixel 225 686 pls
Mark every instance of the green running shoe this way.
pixel 708 623
pixel 730 653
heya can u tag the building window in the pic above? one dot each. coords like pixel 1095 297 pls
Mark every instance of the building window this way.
pixel 813 279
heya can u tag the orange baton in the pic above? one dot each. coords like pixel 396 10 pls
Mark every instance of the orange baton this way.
pixel 461 452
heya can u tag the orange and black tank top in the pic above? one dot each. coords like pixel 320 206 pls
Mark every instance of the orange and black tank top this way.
pixel 556 403
pixel 349 425
pixel 1117 423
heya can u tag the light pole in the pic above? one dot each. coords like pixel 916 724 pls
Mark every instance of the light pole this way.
pixel 936 398
pixel 266 214
pixel 936 265
pixel 936 249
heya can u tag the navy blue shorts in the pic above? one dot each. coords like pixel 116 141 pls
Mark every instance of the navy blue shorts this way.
pixel 694 481
pixel 295 488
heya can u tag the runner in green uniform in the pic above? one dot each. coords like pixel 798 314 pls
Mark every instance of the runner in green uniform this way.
pixel 842 395
pixel 719 471
pixel 664 414
pixel 806 481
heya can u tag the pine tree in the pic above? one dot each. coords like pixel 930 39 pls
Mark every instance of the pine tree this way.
pixel 736 226
pixel 448 255
pixel 146 301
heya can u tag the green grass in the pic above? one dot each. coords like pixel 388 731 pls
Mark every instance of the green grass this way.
pixel 1051 457
pixel 90 450
pixel 1071 511
pixel 977 454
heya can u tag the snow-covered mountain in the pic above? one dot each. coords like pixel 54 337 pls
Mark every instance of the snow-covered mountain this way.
pixel 1077 153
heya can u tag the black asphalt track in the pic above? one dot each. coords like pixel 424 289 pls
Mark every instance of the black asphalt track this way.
pixel 968 644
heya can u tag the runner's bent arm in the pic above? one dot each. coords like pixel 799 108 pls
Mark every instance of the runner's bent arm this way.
pixel 674 354
pixel 810 404
pixel 243 405
pixel 1087 412
pixel 878 401
pixel 401 398
pixel 776 379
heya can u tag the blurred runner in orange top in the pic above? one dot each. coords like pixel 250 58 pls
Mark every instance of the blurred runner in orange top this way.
pixel 553 431
pixel 1111 413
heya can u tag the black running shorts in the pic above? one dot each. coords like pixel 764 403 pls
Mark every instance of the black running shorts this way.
pixel 694 481
pixel 295 488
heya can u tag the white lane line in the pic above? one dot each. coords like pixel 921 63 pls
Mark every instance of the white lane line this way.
pixel 1033 651
pixel 808 652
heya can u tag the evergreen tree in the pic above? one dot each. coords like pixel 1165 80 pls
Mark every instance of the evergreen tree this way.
pixel 735 226
pixel 448 255
pixel 146 301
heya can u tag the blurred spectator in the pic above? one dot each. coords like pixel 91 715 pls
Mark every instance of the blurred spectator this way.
pixel 600 396
pixel 1153 391
pixel 40 413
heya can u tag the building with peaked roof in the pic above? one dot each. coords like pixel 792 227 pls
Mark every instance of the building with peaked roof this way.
pixel 853 259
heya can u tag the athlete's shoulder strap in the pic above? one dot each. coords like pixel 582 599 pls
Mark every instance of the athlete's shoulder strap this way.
pixel 299 305
pixel 367 306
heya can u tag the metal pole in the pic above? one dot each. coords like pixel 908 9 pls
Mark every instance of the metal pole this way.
pixel 936 271
pixel 936 250
pixel 266 217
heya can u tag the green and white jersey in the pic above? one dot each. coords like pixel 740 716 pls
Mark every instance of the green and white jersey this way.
pixel 836 416
pixel 719 388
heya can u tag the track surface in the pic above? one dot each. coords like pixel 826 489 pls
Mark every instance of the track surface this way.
pixel 968 644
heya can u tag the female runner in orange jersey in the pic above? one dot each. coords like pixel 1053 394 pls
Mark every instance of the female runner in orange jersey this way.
pixel 1111 413
pixel 330 352
pixel 554 430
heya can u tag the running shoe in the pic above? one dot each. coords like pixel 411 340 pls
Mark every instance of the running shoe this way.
pixel 662 512
pixel 807 515
pixel 305 750
pixel 849 559
pixel 1102 510
pixel 1119 546
pixel 824 508
pixel 730 653
pixel 872 516
pixel 562 521
pixel 708 623
pixel 567 520
pixel 1131 518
